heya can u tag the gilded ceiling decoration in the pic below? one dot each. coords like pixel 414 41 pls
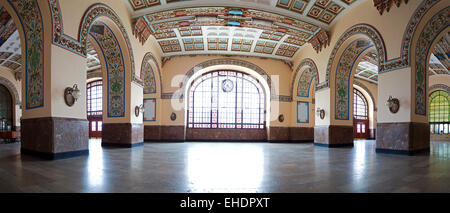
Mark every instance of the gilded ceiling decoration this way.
pixel 382 5
pixel 439 59
pixel 271 28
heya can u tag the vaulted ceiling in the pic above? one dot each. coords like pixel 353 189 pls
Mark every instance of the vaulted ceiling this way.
pixel 10 52
pixel 266 28
pixel 439 59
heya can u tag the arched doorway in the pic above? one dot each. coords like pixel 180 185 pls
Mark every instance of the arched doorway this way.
pixel 226 105
pixel 360 115
pixel 6 111
pixel 94 96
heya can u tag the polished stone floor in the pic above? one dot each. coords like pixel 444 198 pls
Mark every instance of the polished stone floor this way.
pixel 228 167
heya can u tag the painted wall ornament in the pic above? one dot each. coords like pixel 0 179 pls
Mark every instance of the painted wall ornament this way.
pixel 79 45
pixel 343 76
pixel 430 32
pixel 313 68
pixel 30 17
pixel 115 69
pixel 148 75
pixel 372 34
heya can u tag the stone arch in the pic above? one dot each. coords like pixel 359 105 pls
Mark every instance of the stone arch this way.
pixel 405 51
pixel 29 21
pixel 314 73
pixel 12 89
pixel 434 28
pixel 227 61
pixel 79 45
pixel 372 35
pixel 147 76
pixel 343 75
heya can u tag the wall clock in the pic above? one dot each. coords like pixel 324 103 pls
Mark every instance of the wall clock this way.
pixel 227 85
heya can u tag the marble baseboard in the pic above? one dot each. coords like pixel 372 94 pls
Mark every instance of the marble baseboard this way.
pixel 54 137
pixel 152 133
pixel 122 134
pixel 172 134
pixel 199 134
pixel 291 134
pixel 403 137
pixel 333 136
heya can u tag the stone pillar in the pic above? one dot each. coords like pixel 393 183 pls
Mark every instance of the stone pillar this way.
pixel 327 131
pixel 402 132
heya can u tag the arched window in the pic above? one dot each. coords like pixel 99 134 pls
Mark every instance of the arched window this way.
pixel 94 98
pixel 360 109
pixel 439 112
pixel 226 99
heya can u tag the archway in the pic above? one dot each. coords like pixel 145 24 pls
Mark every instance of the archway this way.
pixel 6 109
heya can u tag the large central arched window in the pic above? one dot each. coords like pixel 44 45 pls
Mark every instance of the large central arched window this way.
pixel 439 112
pixel 226 99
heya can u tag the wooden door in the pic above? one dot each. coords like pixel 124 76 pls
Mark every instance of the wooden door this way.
pixel 95 126
pixel 361 128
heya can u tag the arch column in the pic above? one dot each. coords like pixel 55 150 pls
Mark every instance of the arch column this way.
pixel 49 128
pixel 408 130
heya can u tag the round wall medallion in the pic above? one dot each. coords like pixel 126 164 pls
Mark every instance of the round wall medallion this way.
pixel 322 114
pixel 136 111
pixel 394 106
pixel 173 116
pixel 281 118
pixel 68 97
pixel 227 85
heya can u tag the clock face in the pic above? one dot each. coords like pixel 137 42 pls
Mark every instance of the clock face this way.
pixel 227 85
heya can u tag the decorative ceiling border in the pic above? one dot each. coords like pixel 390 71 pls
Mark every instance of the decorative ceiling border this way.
pixel 79 46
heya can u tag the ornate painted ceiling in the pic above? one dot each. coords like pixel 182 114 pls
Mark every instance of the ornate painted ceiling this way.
pixel 266 28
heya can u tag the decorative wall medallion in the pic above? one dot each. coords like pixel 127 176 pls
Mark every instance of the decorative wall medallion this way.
pixel 281 118
pixel 136 111
pixel 68 97
pixel 173 116
pixel 393 104
pixel 115 69
pixel 227 85
pixel 322 114
pixel 30 18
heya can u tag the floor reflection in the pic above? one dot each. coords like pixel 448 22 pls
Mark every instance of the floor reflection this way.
pixel 95 163
pixel 220 167
pixel 440 149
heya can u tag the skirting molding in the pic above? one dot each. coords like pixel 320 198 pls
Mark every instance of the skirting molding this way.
pixel 54 137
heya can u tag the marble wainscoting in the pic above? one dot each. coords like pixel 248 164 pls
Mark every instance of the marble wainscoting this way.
pixel 54 137
pixel 200 134
pixel 333 136
pixel 403 138
pixel 373 133
pixel 291 134
pixel 122 134
pixel 156 133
